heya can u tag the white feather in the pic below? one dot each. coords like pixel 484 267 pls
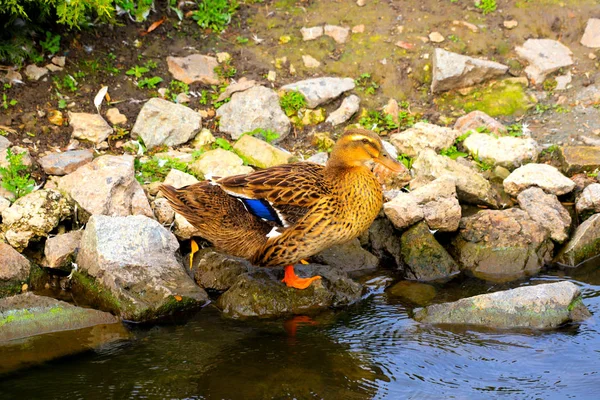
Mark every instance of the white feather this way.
pixel 100 97
pixel 274 233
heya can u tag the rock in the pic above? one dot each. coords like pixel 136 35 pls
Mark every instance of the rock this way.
pixel 348 257
pixel 546 210
pixel 584 244
pixel 436 37
pixel 239 86
pixel 34 73
pixel 65 163
pixel 59 61
pixel 476 119
pixel 501 245
pixel 137 277
pixel 4 143
pixel 416 292
pixel 310 61
pixel 544 176
pixel 358 28
pixel 544 57
pixel 347 109
pixel 162 122
pixel 337 33
pixel 26 159
pixel 425 258
pixel 60 251
pixel 163 211
pixel 115 117
pixel 218 271
pixel 384 242
pixel 392 109
pixel 579 159
pixel 312 117
pixel 14 270
pixel 563 81
pixel 591 35
pixel 507 151
pixel 183 229
pixel 261 293
pixel 510 24
pixel 195 68
pixel 179 179
pixel 543 306
pixel 423 136
pixel 106 186
pixel 219 163
pixel 33 216
pixel 435 202
pixel 4 204
pixel 589 199
pixel 259 153
pixel 257 107
pixel 53 68
pixel 90 127
pixel 471 186
pixel 28 314
pixel 203 139
pixel 453 71
pixel 182 98
pixel 223 57
pixel 311 33
pixel 319 158
pixel 318 91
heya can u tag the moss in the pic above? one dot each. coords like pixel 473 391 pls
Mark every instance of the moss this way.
pixel 499 98
pixel 37 277
pixel 9 289
pixel 97 296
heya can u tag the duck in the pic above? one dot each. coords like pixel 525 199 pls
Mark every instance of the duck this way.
pixel 282 215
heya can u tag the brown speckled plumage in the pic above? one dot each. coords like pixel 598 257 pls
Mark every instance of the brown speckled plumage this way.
pixel 320 206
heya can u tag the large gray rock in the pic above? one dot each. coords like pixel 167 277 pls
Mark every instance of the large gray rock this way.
pixel 106 186
pixel 435 202
pixel 543 176
pixel 547 211
pixel 28 314
pixel 60 250
pixel 501 245
pixel 347 109
pixel 257 107
pixel 34 216
pixel 425 259
pixel 348 257
pixel 262 294
pixel 506 151
pixel 543 306
pixel 162 122
pixel 453 71
pixel 584 244
pixel 195 68
pixel 14 270
pixel 90 127
pixel 423 136
pixel 217 271
pixel 318 91
pixel 591 35
pixel 544 57
pixel 471 186
pixel 65 163
pixel 137 277
pixel 589 199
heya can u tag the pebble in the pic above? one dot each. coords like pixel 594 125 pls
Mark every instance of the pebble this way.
pixel 436 37
pixel 114 116
pixel 510 24
pixel 310 62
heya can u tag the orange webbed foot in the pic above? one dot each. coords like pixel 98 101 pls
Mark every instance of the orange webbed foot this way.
pixel 193 251
pixel 293 280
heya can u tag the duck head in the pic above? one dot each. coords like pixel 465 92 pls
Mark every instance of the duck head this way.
pixel 358 146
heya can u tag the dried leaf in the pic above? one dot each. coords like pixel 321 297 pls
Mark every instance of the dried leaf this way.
pixel 100 97
pixel 154 26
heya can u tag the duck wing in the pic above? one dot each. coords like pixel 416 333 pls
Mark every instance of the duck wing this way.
pixel 283 194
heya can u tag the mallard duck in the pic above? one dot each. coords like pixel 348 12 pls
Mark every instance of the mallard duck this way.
pixel 281 215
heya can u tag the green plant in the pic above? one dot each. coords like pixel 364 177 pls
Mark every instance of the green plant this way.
pixel 560 109
pixel 487 6
pixel 67 82
pixel 541 108
pixel 6 103
pixel 378 122
pixel 136 9
pixel 15 177
pixel 594 173
pixel 291 102
pixel 137 71
pixel 515 130
pixel 242 40
pixel 215 14
pixel 267 134
pixel 366 83
pixel 549 84
pixel 51 44
pixel 452 152
pixel 225 70
pixel 551 149
pixel 482 164
pixel 151 64
pixel 150 83
pixel 221 143
pixel 156 168
pixel 406 160
pixel 463 137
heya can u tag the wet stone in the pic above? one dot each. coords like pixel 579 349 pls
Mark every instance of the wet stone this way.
pixel 544 306
pixel 218 271
pixel 262 294
pixel 417 293
pixel 65 163
pixel 14 270
pixel 583 245
pixel 348 257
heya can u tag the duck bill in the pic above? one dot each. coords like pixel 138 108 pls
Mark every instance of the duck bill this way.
pixel 388 162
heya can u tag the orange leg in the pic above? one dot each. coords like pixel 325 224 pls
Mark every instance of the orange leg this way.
pixel 194 249
pixel 293 280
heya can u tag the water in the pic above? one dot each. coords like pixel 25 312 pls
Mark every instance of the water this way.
pixel 371 350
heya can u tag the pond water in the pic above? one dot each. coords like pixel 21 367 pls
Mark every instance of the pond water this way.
pixel 371 350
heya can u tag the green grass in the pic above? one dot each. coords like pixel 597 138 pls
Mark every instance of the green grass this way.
pixel 487 6
pixel 365 83
pixel 215 14
pixel 15 177
pixel 268 135
pixel 156 169
pixel 291 102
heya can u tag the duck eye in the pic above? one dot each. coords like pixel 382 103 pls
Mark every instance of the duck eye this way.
pixel 366 141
